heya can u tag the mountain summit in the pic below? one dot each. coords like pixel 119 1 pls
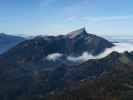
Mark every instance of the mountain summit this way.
pixel 83 41
pixel 76 33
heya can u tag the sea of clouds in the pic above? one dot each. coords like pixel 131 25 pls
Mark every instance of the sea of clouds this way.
pixel 119 47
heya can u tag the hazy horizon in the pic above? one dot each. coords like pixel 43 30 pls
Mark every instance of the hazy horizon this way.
pixel 113 35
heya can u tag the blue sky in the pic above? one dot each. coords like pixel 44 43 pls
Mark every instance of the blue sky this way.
pixel 34 17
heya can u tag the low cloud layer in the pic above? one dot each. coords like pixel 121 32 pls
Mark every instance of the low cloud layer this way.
pixel 119 47
pixel 54 56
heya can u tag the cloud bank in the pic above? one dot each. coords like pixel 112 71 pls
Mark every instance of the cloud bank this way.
pixel 119 47
pixel 54 56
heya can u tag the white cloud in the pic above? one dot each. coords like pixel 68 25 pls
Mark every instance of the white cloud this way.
pixel 85 56
pixel 120 47
pixel 54 56
pixel 99 18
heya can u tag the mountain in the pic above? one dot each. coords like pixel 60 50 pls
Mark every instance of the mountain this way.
pixel 49 52
pixel 73 44
pixel 82 41
pixel 38 66
pixel 8 41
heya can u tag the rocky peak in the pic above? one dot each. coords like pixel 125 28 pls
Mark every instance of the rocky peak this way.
pixel 73 34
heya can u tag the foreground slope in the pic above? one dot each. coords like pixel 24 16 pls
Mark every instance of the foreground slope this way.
pixel 17 82
pixel 114 83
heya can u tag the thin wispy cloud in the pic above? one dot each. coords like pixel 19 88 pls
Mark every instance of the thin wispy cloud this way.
pixel 100 18
pixel 78 11
pixel 108 18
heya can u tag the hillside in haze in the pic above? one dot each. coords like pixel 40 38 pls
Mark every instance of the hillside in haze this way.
pixel 8 41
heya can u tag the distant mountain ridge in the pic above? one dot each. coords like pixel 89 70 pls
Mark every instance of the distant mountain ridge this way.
pixel 8 41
